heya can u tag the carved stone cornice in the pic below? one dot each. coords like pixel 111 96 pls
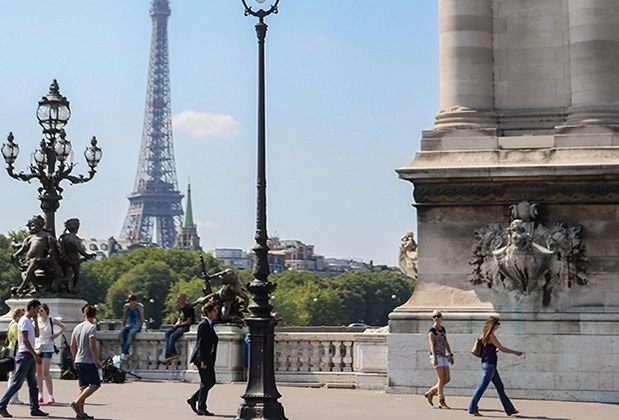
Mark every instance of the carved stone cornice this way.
pixel 505 193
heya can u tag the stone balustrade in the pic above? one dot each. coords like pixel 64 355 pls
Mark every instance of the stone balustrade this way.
pixel 333 359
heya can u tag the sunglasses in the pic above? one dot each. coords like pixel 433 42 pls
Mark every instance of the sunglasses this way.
pixel 437 316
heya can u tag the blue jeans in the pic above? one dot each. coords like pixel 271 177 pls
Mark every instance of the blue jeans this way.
pixel 26 370
pixel 490 374
pixel 171 337
pixel 126 335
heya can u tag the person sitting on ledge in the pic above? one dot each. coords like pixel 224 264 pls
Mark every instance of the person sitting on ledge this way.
pixel 133 319
pixel 186 317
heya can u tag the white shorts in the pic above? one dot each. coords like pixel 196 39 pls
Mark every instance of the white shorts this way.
pixel 442 361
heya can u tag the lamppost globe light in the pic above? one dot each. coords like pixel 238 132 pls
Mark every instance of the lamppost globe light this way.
pixel 93 153
pixel 62 147
pixel 10 150
pixel 260 1
pixel 40 158
pixel 53 112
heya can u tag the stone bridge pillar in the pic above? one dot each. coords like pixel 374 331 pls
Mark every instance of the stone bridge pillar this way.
pixel 594 60
pixel 465 39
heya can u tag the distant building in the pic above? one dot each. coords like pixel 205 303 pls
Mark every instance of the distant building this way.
pixel 277 261
pixel 234 257
pixel 292 254
pixel 297 255
pixel 105 248
pixel 187 238
pixel 342 265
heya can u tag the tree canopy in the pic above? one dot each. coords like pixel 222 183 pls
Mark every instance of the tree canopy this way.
pixel 303 298
pixel 156 276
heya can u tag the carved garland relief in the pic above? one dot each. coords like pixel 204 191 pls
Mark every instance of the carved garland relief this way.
pixel 528 261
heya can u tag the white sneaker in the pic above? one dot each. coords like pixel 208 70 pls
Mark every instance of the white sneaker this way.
pixel 124 356
pixel 16 401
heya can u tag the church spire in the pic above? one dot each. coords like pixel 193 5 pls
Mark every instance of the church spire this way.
pixel 188 220
pixel 187 237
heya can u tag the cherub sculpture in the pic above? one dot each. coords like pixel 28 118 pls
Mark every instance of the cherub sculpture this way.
pixel 49 267
pixel 40 266
pixel 72 253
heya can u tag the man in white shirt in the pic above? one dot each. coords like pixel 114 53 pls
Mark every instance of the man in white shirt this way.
pixel 26 361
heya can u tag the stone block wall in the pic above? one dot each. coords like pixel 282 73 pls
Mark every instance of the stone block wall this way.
pixel 568 360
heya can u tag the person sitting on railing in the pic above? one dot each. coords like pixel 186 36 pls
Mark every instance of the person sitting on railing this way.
pixel 186 317
pixel 133 319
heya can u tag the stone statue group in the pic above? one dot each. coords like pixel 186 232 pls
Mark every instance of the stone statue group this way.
pixel 49 266
pixel 226 298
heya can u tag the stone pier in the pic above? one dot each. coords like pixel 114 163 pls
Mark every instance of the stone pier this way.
pixel 516 188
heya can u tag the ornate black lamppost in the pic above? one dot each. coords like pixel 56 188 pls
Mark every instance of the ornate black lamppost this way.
pixel 53 161
pixel 261 394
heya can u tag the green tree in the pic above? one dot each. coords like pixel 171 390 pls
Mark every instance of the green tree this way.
pixel 192 288
pixel 148 280
pixel 303 298
pixel 9 274
pixel 98 276
pixel 369 296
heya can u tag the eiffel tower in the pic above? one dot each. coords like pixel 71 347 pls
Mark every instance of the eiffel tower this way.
pixel 155 200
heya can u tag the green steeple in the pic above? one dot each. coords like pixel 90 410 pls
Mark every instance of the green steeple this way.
pixel 188 219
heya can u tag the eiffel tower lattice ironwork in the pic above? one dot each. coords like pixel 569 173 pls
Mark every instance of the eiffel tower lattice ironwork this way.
pixel 156 200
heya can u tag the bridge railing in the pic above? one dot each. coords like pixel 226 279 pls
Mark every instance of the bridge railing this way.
pixel 312 358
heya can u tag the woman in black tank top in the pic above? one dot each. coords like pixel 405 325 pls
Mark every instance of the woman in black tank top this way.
pixel 489 374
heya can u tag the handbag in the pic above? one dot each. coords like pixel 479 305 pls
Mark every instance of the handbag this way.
pixel 476 350
pixel 5 351
pixel 7 365
pixel 51 322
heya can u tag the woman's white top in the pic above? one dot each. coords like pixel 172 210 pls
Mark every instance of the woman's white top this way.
pixel 44 342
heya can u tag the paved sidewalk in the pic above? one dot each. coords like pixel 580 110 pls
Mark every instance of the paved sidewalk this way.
pixel 145 400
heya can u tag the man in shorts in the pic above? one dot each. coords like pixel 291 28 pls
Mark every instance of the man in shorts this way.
pixel 26 360
pixel 86 357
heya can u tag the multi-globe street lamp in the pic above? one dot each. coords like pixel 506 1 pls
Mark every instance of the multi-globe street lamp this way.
pixel 261 395
pixel 53 161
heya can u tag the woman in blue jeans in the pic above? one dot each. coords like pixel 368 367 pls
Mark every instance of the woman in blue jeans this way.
pixel 488 367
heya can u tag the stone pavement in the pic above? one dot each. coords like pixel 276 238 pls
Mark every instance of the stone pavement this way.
pixel 149 400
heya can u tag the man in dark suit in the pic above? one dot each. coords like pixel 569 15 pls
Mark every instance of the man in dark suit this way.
pixel 203 356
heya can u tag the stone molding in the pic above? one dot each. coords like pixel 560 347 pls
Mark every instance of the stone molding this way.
pixel 505 193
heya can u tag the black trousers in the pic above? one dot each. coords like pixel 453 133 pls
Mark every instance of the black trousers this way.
pixel 207 381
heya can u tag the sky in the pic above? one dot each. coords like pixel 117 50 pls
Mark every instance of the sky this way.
pixel 350 87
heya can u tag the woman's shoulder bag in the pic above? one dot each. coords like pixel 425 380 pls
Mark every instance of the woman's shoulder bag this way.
pixel 476 350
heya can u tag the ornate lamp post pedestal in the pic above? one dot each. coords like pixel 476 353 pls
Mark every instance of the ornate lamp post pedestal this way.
pixel 261 394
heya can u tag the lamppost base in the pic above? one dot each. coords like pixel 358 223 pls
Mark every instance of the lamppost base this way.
pixel 260 400
pixel 260 409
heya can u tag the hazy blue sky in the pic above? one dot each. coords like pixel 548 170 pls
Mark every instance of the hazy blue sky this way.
pixel 350 86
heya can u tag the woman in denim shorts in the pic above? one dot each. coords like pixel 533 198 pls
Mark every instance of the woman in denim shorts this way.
pixel 440 357
pixel 49 330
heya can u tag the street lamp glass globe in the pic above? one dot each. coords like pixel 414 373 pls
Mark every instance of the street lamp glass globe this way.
pixel 260 1
pixel 53 112
pixel 10 151
pixel 39 157
pixel 62 148
pixel 93 153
